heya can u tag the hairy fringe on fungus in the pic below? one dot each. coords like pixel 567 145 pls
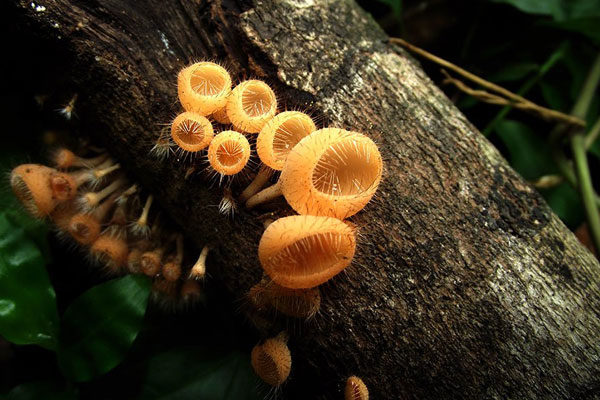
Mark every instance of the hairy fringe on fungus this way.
pixel 250 105
pixel 272 360
pixel 304 251
pixel 203 87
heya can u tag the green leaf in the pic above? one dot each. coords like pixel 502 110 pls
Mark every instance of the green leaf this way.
pixel 100 326
pixel 560 10
pixel 566 203
pixel 553 96
pixel 527 152
pixel 541 7
pixel 514 72
pixel 395 5
pixel 200 373
pixel 587 26
pixel 28 312
pixel 46 390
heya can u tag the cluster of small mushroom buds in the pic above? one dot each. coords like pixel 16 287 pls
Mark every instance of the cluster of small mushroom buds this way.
pixel 92 204
pixel 326 176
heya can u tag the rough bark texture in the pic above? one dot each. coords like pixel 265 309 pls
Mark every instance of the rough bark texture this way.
pixel 465 284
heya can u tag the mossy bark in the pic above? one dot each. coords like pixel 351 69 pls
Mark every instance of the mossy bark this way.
pixel 465 284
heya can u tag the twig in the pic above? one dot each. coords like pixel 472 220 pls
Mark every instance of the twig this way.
pixel 509 97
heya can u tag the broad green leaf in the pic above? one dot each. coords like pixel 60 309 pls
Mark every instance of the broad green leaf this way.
pixel 587 26
pixel 566 203
pixel 46 390
pixel 527 152
pixel 542 7
pixel 200 373
pixel 395 5
pixel 560 10
pixel 100 326
pixel 28 312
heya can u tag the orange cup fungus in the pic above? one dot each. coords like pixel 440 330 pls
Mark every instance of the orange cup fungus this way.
pixel 203 87
pixel 111 251
pixel 250 105
pixel 31 183
pixel 356 389
pixel 331 172
pixel 272 360
pixel 191 131
pixel 277 138
pixel 304 251
pixel 229 152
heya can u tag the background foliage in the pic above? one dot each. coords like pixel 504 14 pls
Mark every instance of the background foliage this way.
pixel 68 333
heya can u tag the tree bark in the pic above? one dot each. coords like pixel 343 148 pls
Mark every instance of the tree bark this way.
pixel 464 285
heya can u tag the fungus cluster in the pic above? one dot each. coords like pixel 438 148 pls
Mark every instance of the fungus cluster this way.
pixel 94 206
pixel 326 175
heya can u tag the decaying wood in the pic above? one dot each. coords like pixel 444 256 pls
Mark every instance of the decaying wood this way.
pixel 465 284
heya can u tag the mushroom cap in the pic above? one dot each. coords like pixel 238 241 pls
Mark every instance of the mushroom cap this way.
pixel 277 138
pixel 31 184
pixel 229 152
pixel 203 87
pixel 250 105
pixel 272 361
pixel 191 131
pixel 84 228
pixel 64 158
pixel 303 251
pixel 331 172
pixel 150 262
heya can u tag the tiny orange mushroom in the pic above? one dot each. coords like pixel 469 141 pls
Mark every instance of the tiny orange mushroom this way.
pixel 31 183
pixel 304 251
pixel 272 360
pixel 356 389
pixel 229 152
pixel 203 87
pixel 250 105
pixel 191 131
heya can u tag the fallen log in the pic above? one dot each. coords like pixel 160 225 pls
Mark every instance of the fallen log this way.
pixel 465 284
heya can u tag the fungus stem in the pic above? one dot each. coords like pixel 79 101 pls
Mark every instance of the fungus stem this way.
pixel 262 177
pixel 265 195
pixel 100 173
pixel 199 269
pixel 92 199
pixel 143 220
